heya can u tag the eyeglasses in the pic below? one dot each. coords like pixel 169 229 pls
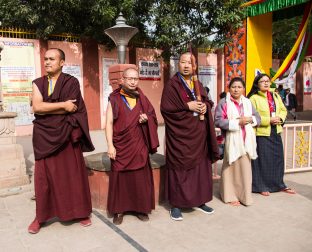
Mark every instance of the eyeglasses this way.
pixel 265 81
pixel 131 79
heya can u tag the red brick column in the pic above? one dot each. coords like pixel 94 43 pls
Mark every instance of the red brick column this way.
pixel 43 46
pixel 91 82
pixel 220 68
pixel 132 55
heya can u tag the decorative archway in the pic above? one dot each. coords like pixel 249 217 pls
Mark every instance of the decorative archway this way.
pixel 251 49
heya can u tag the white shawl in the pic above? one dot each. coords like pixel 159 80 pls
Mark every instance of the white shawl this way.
pixel 234 142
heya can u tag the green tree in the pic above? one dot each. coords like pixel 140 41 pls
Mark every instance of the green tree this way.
pixel 176 22
pixel 162 23
pixel 284 36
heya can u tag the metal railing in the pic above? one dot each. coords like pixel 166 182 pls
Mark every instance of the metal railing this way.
pixel 13 32
pixel 297 147
pixel 297 141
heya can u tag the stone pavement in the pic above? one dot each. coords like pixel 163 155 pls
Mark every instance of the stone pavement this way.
pixel 280 222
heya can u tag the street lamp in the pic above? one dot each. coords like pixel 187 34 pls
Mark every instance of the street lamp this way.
pixel 121 33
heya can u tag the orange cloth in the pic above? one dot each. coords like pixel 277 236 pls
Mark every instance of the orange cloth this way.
pixel 131 101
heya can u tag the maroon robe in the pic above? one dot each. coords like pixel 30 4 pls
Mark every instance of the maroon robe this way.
pixel 61 180
pixel 191 147
pixel 131 185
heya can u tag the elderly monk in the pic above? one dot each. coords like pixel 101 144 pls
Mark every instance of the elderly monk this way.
pixel 191 144
pixel 60 135
pixel 131 133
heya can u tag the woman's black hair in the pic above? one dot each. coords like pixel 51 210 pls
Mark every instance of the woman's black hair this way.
pixel 237 79
pixel 255 87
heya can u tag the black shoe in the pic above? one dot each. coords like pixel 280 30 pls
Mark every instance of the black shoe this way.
pixel 142 216
pixel 118 218
pixel 175 214
pixel 205 209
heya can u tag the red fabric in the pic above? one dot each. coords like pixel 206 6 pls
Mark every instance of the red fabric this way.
pixel 131 185
pixel 189 187
pixel 131 139
pixel 51 132
pixel 191 147
pixel 270 102
pixel 186 136
pixel 131 190
pixel 61 184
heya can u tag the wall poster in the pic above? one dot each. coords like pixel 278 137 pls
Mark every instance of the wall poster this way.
pixel 17 73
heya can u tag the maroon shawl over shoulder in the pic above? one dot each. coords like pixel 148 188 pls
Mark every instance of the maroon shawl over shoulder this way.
pixel 131 139
pixel 184 132
pixel 51 132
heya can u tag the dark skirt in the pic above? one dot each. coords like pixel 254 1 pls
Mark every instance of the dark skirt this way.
pixel 189 188
pixel 131 190
pixel 61 186
pixel 268 168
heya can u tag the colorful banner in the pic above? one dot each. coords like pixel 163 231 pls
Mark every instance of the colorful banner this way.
pixel 297 48
pixel 17 73
pixel 259 7
pixel 235 58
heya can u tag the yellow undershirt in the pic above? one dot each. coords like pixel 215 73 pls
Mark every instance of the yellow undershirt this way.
pixel 191 85
pixel 131 101
pixel 51 85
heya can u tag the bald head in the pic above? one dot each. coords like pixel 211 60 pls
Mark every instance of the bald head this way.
pixel 60 53
pixel 129 70
pixel 130 78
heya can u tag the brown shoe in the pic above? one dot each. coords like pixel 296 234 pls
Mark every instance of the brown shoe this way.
pixel 118 218
pixel 142 216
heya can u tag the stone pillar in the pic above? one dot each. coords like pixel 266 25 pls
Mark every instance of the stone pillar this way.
pixel 13 167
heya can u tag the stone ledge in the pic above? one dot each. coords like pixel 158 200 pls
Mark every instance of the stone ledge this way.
pixel 98 173
pixel 101 162
pixel 8 114
pixel 16 190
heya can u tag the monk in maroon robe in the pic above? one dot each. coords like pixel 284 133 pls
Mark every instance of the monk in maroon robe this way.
pixel 131 132
pixel 191 145
pixel 60 135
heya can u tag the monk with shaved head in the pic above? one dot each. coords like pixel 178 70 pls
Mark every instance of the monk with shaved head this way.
pixel 60 135
pixel 131 133
pixel 191 144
